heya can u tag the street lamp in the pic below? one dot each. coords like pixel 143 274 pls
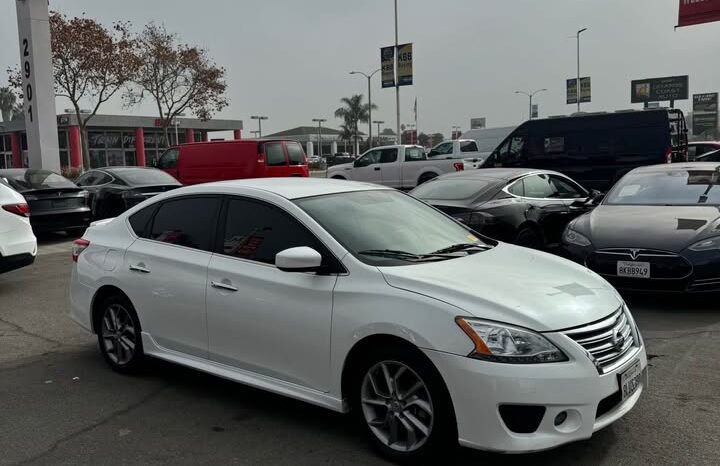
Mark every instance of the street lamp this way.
pixel 259 118
pixel 255 133
pixel 176 123
pixel 578 65
pixel 454 129
pixel 531 95
pixel 378 122
pixel 319 121
pixel 368 76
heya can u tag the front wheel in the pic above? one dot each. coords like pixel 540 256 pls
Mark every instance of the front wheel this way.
pixel 404 406
pixel 118 332
pixel 529 238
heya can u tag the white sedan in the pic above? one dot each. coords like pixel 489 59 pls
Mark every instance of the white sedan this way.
pixel 355 296
pixel 18 245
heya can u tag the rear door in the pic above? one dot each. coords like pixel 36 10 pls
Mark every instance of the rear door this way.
pixel 276 164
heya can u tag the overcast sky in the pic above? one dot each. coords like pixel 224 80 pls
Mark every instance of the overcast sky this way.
pixel 290 59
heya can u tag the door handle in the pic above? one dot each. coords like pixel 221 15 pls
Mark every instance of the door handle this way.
pixel 223 286
pixel 377 169
pixel 139 268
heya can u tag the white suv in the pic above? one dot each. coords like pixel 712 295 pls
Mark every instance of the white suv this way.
pixel 18 245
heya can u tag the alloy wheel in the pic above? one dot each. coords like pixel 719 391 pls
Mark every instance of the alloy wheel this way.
pixel 397 406
pixel 119 335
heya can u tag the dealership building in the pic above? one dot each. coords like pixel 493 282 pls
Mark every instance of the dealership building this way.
pixel 114 140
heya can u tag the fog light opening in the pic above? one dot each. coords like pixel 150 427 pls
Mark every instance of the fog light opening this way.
pixel 560 418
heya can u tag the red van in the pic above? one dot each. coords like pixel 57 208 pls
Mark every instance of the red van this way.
pixel 203 162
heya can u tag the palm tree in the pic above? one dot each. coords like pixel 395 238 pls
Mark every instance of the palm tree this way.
pixel 346 134
pixel 354 112
pixel 7 103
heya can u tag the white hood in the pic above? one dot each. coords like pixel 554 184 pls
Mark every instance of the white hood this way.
pixel 513 285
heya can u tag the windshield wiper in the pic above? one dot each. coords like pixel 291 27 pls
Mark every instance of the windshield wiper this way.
pixel 462 247
pixel 403 255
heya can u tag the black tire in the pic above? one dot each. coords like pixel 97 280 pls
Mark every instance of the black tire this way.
pixel 126 334
pixel 442 436
pixel 425 177
pixel 528 237
pixel 338 178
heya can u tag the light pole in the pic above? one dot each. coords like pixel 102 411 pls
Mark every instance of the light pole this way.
pixel 531 95
pixel 369 77
pixel 378 122
pixel 397 84
pixel 454 129
pixel 176 124
pixel 319 121
pixel 256 132
pixel 259 118
pixel 578 65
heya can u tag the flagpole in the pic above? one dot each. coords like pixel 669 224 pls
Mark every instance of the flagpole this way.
pixel 417 131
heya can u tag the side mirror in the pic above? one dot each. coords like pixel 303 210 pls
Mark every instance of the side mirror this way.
pixel 358 163
pixel 302 259
pixel 596 196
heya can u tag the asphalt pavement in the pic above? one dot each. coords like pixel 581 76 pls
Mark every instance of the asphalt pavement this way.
pixel 61 405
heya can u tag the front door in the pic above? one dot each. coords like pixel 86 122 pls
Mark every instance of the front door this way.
pixel 169 162
pixel 367 167
pixel 166 273
pixel 262 319
pixel 276 164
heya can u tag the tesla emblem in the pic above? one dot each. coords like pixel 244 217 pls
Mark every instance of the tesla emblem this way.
pixel 618 340
pixel 634 253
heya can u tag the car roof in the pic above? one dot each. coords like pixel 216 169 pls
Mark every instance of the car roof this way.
pixel 289 188
pixel 696 143
pixel 495 173
pixel 665 167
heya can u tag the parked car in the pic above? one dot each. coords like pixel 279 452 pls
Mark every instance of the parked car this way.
pixel 114 190
pixel 457 149
pixel 658 229
pixel 339 158
pixel 18 245
pixel 315 162
pixel 56 203
pixel 355 296
pixel 523 206
pixel 203 162
pixel 399 166
pixel 713 156
pixel 699 148
pixel 596 150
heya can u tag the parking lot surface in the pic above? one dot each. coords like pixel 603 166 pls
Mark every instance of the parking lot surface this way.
pixel 61 405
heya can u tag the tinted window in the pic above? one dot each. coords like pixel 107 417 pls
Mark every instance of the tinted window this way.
pixel 257 232
pixel 140 221
pixel 451 189
pixel 554 145
pixel 468 146
pixel 388 155
pixel 186 222
pixel 442 149
pixel 414 154
pixel 145 176
pixel 671 187
pixel 517 188
pixel 538 186
pixel 369 158
pixel 88 179
pixel 692 152
pixel 38 179
pixel 168 159
pixel 274 155
pixel 565 189
pixel 710 157
pixel 296 155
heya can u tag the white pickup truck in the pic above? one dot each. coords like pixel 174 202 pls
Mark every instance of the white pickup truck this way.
pixel 456 149
pixel 400 166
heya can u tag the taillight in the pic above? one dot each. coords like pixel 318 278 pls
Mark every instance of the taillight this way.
pixel 21 209
pixel 79 245
pixel 668 155
pixel 261 158
pixel 459 166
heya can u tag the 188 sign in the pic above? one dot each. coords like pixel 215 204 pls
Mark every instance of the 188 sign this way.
pixel 27 72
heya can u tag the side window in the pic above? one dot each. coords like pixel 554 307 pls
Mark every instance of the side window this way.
pixel 554 145
pixel 103 178
pixel 468 146
pixel 296 154
pixel 388 155
pixel 565 189
pixel 257 231
pixel 414 154
pixel 140 221
pixel 87 179
pixel 186 222
pixel 369 158
pixel 517 188
pixel 692 154
pixel 538 186
pixel 274 155
pixel 168 159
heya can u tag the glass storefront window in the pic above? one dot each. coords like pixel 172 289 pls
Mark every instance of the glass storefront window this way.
pixel 130 158
pixel 97 158
pixel 113 140
pixel 62 139
pixel 115 158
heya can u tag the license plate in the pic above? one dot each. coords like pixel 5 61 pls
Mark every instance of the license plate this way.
pixel 630 380
pixel 633 269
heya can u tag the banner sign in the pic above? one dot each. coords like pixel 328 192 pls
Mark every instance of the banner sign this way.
pixel 705 114
pixel 585 90
pixel 405 65
pixel 387 64
pixel 477 123
pixel 534 111
pixel 660 89
pixel 698 12
pixel 572 94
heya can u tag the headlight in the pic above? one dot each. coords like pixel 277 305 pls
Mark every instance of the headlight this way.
pixel 504 343
pixel 573 237
pixel 706 244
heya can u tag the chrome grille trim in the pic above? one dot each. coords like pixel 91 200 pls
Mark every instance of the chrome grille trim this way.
pixel 638 252
pixel 601 340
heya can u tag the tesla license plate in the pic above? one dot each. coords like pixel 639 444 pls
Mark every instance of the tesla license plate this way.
pixel 633 269
pixel 630 380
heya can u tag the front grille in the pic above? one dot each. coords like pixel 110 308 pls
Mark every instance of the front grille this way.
pixel 608 342
pixel 664 265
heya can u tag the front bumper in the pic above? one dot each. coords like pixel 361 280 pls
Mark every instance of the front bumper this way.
pixel 9 263
pixel 479 388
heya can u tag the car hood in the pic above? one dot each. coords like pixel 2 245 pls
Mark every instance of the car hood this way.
pixel 514 285
pixel 667 228
pixel 341 166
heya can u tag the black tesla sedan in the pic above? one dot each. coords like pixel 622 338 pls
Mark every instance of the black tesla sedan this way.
pixel 56 203
pixel 657 229
pixel 518 205
pixel 114 190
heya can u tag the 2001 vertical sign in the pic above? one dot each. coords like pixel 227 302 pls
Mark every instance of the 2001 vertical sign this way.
pixel 27 73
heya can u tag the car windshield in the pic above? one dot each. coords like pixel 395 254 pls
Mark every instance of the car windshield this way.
pixel 144 176
pixel 30 180
pixel 669 187
pixel 451 189
pixel 370 223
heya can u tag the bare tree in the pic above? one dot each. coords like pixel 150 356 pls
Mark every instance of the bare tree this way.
pixel 177 76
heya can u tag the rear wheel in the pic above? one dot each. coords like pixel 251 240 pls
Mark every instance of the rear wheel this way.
pixel 118 331
pixel 529 238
